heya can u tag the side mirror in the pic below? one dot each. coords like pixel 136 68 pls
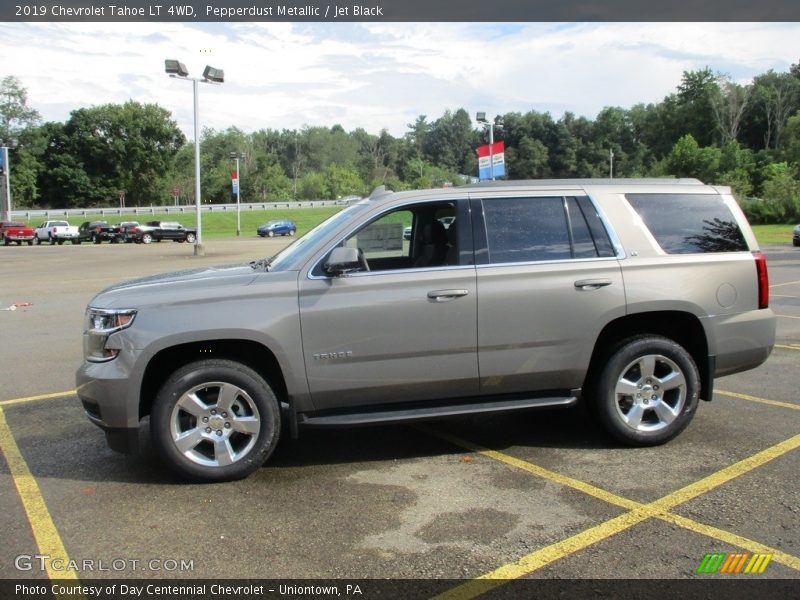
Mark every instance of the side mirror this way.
pixel 343 260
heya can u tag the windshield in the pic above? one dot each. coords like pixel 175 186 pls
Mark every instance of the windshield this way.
pixel 285 260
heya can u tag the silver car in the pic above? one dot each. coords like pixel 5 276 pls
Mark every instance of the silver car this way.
pixel 632 296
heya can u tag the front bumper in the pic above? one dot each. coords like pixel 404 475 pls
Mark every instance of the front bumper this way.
pixel 104 389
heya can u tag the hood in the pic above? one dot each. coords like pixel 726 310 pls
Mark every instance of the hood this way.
pixel 190 281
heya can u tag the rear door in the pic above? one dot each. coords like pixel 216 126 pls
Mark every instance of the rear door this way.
pixel 548 281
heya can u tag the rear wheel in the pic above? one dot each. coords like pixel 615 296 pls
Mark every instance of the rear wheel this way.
pixel 215 420
pixel 30 242
pixel 647 392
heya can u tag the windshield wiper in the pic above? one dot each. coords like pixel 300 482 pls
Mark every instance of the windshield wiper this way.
pixel 263 263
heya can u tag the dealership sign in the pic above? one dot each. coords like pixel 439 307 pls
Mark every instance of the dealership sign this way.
pixel 235 181
pixel 491 161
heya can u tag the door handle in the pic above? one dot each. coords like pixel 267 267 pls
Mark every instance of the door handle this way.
pixel 446 295
pixel 588 285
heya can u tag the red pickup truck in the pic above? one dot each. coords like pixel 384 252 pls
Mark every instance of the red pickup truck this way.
pixel 13 231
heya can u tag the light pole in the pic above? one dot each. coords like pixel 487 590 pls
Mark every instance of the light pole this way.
pixel 481 118
pixel 210 75
pixel 5 171
pixel 236 156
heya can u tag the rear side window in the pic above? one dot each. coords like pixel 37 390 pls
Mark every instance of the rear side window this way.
pixel 689 223
pixel 543 229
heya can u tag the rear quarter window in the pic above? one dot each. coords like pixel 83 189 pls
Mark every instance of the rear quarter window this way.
pixel 689 223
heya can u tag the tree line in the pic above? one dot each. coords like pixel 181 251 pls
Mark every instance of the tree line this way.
pixel 710 127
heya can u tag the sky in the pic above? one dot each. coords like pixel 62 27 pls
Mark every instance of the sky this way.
pixel 378 75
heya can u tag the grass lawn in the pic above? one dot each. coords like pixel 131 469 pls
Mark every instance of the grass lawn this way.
pixel 773 235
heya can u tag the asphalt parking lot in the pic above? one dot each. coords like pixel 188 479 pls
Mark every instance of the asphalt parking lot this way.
pixel 537 495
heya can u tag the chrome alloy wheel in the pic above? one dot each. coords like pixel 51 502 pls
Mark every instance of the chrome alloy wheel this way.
pixel 650 393
pixel 215 424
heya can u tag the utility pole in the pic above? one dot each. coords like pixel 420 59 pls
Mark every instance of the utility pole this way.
pixel 5 196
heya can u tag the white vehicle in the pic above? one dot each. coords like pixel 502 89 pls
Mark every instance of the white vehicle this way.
pixel 56 232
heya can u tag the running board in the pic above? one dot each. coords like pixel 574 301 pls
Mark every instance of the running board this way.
pixel 430 412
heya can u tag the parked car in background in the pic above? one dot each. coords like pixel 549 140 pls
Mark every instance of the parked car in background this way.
pixel 14 231
pixel 56 232
pixel 273 228
pixel 126 230
pixel 155 231
pixel 97 232
pixel 796 237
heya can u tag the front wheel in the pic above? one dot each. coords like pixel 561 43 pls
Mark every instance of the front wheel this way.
pixel 215 420
pixel 147 238
pixel 190 237
pixel 647 392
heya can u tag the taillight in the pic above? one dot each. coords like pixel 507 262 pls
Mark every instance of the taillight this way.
pixel 763 280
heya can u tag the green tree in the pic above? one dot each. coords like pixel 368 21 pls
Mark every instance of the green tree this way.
pixel 688 159
pixel 15 114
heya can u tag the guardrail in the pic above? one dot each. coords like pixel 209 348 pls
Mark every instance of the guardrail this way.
pixel 55 213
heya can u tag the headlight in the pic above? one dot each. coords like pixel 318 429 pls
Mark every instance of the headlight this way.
pixel 101 323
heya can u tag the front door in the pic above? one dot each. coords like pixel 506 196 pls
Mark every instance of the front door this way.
pixel 405 330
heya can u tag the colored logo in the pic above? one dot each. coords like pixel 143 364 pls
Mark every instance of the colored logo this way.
pixel 734 564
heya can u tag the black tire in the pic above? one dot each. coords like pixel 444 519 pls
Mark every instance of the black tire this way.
pixel 205 457
pixel 52 240
pixel 6 242
pixel 59 242
pixel 190 237
pixel 76 241
pixel 271 234
pixel 38 241
pixel 30 242
pixel 95 238
pixel 647 391
pixel 291 232
pixel 147 238
pixel 19 242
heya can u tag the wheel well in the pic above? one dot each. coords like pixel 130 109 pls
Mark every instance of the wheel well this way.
pixel 167 361
pixel 683 328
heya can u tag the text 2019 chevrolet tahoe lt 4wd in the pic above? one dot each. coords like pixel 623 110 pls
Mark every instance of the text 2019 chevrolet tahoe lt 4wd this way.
pixel 634 294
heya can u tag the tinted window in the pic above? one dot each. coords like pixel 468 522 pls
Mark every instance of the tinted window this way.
pixel 582 241
pixel 526 229
pixel 600 237
pixel 689 223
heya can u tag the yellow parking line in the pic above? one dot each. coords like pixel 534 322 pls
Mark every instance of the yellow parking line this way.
pixel 524 465
pixel 774 285
pixel 785 347
pixel 544 556
pixel 705 485
pixel 42 525
pixel 787 316
pixel 731 538
pixel 640 512
pixel 37 398
pixel 757 399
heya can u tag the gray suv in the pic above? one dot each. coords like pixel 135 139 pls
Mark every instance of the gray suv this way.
pixel 631 294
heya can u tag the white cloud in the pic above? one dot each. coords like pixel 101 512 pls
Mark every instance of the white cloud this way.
pixel 379 75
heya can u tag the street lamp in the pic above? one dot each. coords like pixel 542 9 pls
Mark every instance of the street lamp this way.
pixel 481 118
pixel 5 195
pixel 178 70
pixel 236 156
